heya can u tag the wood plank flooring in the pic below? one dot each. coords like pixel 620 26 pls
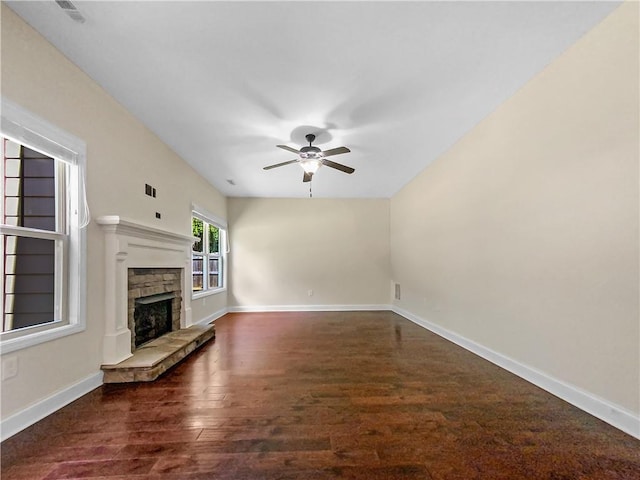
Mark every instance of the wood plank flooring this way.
pixel 323 395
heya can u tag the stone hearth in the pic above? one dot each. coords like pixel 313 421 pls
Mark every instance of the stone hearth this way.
pixel 154 358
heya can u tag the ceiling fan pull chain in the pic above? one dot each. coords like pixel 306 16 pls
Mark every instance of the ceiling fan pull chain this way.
pixel 310 194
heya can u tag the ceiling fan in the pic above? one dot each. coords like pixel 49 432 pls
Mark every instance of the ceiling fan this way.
pixel 312 158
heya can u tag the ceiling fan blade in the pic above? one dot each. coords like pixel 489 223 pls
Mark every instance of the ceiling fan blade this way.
pixel 287 147
pixel 335 151
pixel 279 164
pixel 338 166
pixel 307 177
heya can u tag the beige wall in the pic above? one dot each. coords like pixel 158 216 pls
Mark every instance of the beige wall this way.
pixel 282 248
pixel 122 155
pixel 524 236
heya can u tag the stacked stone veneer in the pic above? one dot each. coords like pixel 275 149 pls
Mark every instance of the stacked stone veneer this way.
pixel 144 282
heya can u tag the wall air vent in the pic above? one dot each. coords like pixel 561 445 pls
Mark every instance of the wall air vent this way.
pixel 71 10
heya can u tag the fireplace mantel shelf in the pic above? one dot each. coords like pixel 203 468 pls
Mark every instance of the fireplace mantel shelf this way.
pixel 123 226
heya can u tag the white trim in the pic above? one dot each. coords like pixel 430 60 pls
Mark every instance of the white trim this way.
pixel 33 131
pixel 36 412
pixel 613 414
pixel 31 338
pixel 123 226
pixel 213 317
pixel 206 293
pixel 31 232
pixel 308 308
pixel 206 216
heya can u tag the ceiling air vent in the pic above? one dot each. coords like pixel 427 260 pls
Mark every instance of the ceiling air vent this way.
pixel 71 10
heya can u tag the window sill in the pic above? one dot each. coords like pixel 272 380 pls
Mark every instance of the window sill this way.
pixel 36 338
pixel 207 293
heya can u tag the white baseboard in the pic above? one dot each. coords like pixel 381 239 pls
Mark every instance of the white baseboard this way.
pixel 36 412
pixel 606 411
pixel 308 308
pixel 213 317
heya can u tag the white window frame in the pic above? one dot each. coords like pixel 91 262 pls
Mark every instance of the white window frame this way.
pixel 25 128
pixel 210 219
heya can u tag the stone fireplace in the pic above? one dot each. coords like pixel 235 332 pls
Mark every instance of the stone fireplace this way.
pixel 155 301
pixel 143 265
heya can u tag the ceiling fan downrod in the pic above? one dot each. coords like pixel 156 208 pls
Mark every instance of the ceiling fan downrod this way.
pixel 310 138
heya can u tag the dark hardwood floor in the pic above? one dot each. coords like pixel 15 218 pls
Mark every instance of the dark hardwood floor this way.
pixel 357 395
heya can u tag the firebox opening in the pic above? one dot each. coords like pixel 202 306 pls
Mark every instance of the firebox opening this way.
pixel 152 317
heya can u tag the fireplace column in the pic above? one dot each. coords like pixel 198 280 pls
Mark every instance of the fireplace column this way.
pixel 117 336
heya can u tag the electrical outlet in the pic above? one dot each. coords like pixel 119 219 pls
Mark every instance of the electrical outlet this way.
pixel 310 293
pixel 9 367
pixel 397 293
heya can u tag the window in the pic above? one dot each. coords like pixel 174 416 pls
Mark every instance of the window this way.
pixel 209 253
pixel 42 211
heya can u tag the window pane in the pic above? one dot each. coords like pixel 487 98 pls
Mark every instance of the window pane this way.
pixel 213 265
pixel 214 239
pixel 30 188
pixel 37 164
pixel 39 187
pixel 43 223
pixel 214 273
pixel 38 168
pixel 198 274
pixel 38 206
pixel 29 281
pixel 197 228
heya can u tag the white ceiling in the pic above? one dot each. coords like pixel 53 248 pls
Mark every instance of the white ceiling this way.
pixel 397 82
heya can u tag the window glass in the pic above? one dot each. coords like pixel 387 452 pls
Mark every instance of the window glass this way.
pixel 214 272
pixel 198 274
pixel 214 239
pixel 29 188
pixel 29 282
pixel 28 260
pixel 197 228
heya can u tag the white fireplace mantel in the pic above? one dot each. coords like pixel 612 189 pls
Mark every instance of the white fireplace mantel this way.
pixel 132 245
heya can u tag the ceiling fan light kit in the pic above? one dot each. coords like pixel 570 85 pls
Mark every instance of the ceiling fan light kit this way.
pixel 311 158
pixel 310 165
